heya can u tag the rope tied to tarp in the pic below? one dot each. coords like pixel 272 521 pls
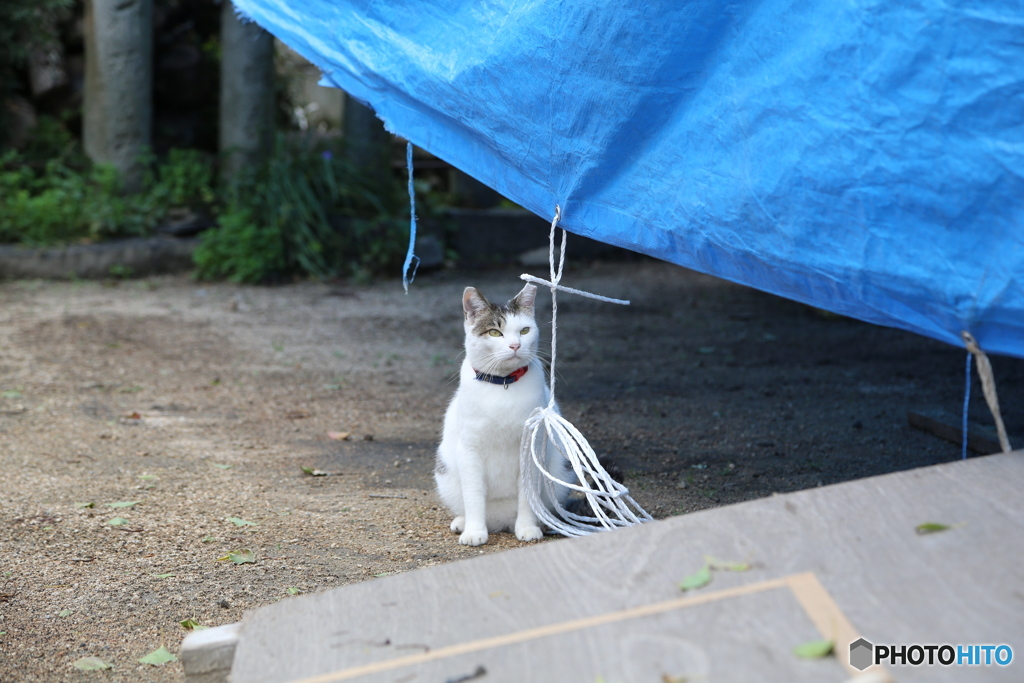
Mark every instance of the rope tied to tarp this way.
pixel 610 502
pixel 409 255
pixel 988 388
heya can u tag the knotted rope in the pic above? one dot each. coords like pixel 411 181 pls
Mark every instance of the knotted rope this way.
pixel 609 500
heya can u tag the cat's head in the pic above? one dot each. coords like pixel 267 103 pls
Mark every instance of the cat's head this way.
pixel 500 338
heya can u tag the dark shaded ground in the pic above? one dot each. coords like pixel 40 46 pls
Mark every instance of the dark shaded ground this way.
pixel 204 402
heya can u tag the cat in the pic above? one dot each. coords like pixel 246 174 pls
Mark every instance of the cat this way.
pixel 500 383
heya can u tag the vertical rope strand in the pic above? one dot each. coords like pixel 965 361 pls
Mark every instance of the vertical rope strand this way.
pixel 988 387
pixel 409 255
pixel 967 402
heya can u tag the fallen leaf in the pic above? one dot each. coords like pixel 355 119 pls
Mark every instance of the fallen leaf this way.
pixel 147 477
pixel 293 590
pixel 133 416
pixel 314 473
pixel 339 436
pixel 163 576
pixel 117 521
pixel 296 414
pixel 90 664
pixel 665 678
pixel 64 613
pixel 223 467
pixel 700 578
pixel 243 556
pixel 123 504
pixel 208 539
pixel 238 521
pixel 12 394
pixel 707 349
pixel 814 649
pixel 85 505
pixel 726 566
pixel 931 528
pixel 158 657
pixel 192 625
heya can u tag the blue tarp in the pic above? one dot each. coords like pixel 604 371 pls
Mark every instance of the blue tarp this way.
pixel 865 157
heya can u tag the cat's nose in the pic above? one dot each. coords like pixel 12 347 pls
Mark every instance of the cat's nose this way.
pixel 514 346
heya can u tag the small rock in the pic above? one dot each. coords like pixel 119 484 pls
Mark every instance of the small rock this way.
pixel 225 604
pixel 367 437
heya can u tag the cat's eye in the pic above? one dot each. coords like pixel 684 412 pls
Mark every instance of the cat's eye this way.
pixel 525 330
pixel 494 333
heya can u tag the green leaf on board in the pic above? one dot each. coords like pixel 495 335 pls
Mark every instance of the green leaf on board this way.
pixel 158 657
pixel 700 578
pixel 814 649
pixel 930 528
pixel 725 565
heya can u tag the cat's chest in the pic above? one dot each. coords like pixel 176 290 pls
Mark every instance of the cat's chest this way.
pixel 495 408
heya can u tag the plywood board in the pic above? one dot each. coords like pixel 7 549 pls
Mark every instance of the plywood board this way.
pixel 838 561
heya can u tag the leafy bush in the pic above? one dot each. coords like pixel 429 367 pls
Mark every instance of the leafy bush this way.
pixel 304 211
pixel 70 200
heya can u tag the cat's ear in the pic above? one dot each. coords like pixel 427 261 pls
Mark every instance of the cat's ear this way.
pixel 473 302
pixel 526 298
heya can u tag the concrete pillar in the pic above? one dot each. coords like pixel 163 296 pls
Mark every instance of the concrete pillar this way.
pixel 118 108
pixel 246 91
pixel 367 142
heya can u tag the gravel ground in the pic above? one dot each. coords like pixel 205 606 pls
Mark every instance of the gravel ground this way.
pixel 201 405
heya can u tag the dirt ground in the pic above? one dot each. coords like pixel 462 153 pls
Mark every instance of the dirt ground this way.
pixel 202 403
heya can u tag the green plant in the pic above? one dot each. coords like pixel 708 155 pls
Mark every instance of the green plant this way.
pixel 306 211
pixel 67 199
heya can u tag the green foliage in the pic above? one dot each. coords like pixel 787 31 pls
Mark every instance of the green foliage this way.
pixel 305 211
pixel 67 199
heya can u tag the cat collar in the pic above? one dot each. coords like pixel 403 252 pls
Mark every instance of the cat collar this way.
pixel 504 381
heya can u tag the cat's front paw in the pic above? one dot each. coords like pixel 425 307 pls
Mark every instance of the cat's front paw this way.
pixel 473 537
pixel 529 533
pixel 458 524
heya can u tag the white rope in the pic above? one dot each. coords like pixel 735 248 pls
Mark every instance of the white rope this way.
pixel 988 388
pixel 610 502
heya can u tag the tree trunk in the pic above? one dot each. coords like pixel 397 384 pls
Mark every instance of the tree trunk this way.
pixel 246 92
pixel 367 143
pixel 118 107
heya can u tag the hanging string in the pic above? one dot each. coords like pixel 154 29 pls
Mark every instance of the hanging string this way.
pixel 409 256
pixel 988 387
pixel 967 402
pixel 609 500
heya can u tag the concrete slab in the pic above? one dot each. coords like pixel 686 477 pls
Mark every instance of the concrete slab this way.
pixel 837 562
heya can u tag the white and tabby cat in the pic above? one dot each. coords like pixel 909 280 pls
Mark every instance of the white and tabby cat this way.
pixel 500 383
